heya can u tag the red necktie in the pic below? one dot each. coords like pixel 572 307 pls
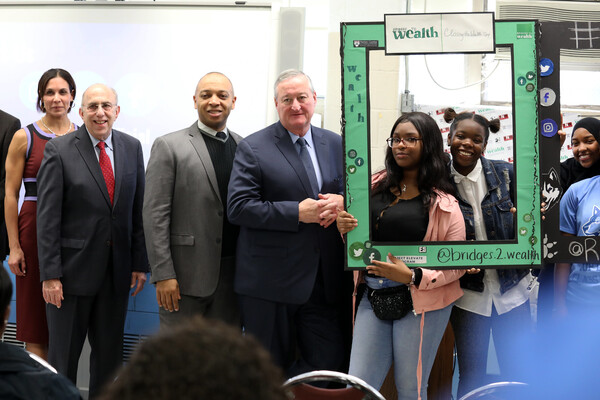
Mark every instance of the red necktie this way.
pixel 107 171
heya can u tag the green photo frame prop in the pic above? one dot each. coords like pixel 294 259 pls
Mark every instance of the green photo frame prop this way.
pixel 357 40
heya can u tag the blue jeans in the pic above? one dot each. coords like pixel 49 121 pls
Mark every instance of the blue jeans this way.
pixel 472 335
pixel 378 343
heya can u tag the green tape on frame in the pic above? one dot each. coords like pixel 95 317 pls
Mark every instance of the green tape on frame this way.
pixel 357 39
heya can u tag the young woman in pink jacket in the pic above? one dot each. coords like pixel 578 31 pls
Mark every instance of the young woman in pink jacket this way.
pixel 411 201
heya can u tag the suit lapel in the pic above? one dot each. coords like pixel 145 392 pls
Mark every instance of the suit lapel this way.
pixel 237 138
pixel 288 149
pixel 119 161
pixel 200 146
pixel 87 152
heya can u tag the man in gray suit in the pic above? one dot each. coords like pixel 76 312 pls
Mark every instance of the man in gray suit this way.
pixel 191 244
pixel 90 237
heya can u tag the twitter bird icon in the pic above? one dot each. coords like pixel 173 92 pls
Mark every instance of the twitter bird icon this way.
pixel 546 67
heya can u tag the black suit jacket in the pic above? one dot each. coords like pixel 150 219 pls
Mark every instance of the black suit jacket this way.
pixel 77 228
pixel 278 257
pixel 8 126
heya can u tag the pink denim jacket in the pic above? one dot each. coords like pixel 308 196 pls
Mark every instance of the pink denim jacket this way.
pixel 438 288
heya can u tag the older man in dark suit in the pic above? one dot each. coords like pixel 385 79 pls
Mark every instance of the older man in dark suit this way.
pixel 90 237
pixel 8 126
pixel 191 244
pixel 284 191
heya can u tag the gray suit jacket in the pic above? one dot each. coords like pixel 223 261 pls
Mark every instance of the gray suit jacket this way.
pixel 183 212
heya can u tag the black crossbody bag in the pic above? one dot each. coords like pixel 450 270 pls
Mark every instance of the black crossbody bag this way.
pixel 390 303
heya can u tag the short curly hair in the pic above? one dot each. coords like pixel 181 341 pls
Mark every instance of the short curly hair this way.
pixel 199 359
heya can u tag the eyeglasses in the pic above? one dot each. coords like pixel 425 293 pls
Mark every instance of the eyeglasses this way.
pixel 408 141
pixel 93 107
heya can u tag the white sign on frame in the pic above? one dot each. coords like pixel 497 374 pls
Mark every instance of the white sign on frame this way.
pixel 439 33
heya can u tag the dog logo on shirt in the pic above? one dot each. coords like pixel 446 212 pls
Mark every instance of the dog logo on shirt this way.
pixel 592 227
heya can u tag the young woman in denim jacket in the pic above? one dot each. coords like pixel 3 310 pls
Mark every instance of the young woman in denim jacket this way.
pixel 494 299
pixel 411 202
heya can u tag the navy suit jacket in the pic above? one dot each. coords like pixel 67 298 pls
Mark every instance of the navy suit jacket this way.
pixel 277 256
pixel 77 228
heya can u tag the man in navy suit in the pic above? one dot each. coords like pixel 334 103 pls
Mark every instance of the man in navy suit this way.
pixel 289 271
pixel 90 237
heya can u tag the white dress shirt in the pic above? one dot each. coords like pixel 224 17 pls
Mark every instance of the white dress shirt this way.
pixel 211 132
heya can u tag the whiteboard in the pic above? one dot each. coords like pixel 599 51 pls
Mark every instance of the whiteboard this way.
pixel 153 55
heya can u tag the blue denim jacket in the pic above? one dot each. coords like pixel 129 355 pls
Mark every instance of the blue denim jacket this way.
pixel 499 221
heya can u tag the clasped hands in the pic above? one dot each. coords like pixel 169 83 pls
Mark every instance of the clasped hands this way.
pixel 323 211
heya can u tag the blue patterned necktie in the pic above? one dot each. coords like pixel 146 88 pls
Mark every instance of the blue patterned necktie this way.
pixel 308 165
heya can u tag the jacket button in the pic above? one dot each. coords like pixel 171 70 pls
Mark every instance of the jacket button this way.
pixel 220 213
pixel 108 243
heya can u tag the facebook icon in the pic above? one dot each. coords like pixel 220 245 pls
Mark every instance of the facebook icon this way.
pixel 547 97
